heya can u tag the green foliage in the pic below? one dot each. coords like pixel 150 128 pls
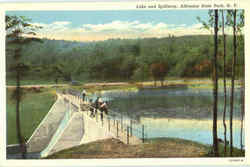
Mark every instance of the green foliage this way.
pixel 126 59
pixel 17 27
pixel 141 73
pixel 159 71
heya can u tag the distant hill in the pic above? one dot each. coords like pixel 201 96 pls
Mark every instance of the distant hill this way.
pixel 124 59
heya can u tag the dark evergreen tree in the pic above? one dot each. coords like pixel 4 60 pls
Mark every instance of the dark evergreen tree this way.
pixel 17 29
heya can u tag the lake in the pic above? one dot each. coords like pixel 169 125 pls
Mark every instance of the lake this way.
pixel 177 112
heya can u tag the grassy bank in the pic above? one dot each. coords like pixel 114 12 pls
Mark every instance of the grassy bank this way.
pixel 236 152
pixel 152 148
pixel 34 106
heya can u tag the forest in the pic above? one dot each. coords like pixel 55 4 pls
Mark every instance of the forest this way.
pixel 126 59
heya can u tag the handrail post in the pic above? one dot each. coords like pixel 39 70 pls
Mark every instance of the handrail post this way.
pixel 109 124
pixel 127 135
pixel 96 115
pixel 121 122
pixel 131 133
pixel 102 118
pixel 117 128
pixel 143 133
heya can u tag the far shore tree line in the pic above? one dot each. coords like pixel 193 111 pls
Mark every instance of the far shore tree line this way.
pixel 211 56
pixel 127 59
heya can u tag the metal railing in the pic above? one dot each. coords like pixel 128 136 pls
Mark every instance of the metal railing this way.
pixel 127 130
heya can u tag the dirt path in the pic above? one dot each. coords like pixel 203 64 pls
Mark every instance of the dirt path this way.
pixel 145 83
pixel 38 86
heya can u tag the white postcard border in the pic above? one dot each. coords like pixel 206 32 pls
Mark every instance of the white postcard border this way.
pixel 115 162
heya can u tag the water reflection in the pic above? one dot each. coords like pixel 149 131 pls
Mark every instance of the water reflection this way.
pixel 182 113
pixel 192 129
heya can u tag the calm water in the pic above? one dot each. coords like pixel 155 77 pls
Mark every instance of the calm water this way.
pixel 182 113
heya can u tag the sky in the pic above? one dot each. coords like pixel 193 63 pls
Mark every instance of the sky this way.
pixel 103 25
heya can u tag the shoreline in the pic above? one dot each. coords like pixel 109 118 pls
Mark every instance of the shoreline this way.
pixel 162 147
pixel 167 81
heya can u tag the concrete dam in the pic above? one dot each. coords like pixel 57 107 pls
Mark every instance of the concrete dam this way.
pixel 69 123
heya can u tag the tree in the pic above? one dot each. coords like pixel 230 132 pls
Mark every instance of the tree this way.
pixel 127 67
pixel 224 83
pixel 215 85
pixel 62 70
pixel 242 108
pixel 17 29
pixel 159 71
pixel 232 80
pixel 213 22
pixel 241 43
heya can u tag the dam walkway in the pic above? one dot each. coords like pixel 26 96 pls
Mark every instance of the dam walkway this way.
pixel 70 123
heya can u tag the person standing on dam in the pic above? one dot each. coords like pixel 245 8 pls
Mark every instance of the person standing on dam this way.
pixel 97 104
pixel 97 101
pixel 92 108
pixel 83 95
pixel 104 108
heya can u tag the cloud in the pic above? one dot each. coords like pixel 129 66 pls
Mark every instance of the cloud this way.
pixel 58 26
pixel 116 29
pixel 113 26
pixel 61 23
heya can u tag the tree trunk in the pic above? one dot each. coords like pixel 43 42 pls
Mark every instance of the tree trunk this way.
pixel 232 83
pixel 18 125
pixel 225 85
pixel 215 87
pixel 242 107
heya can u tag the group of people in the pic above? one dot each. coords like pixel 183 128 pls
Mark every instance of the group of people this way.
pixel 98 104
